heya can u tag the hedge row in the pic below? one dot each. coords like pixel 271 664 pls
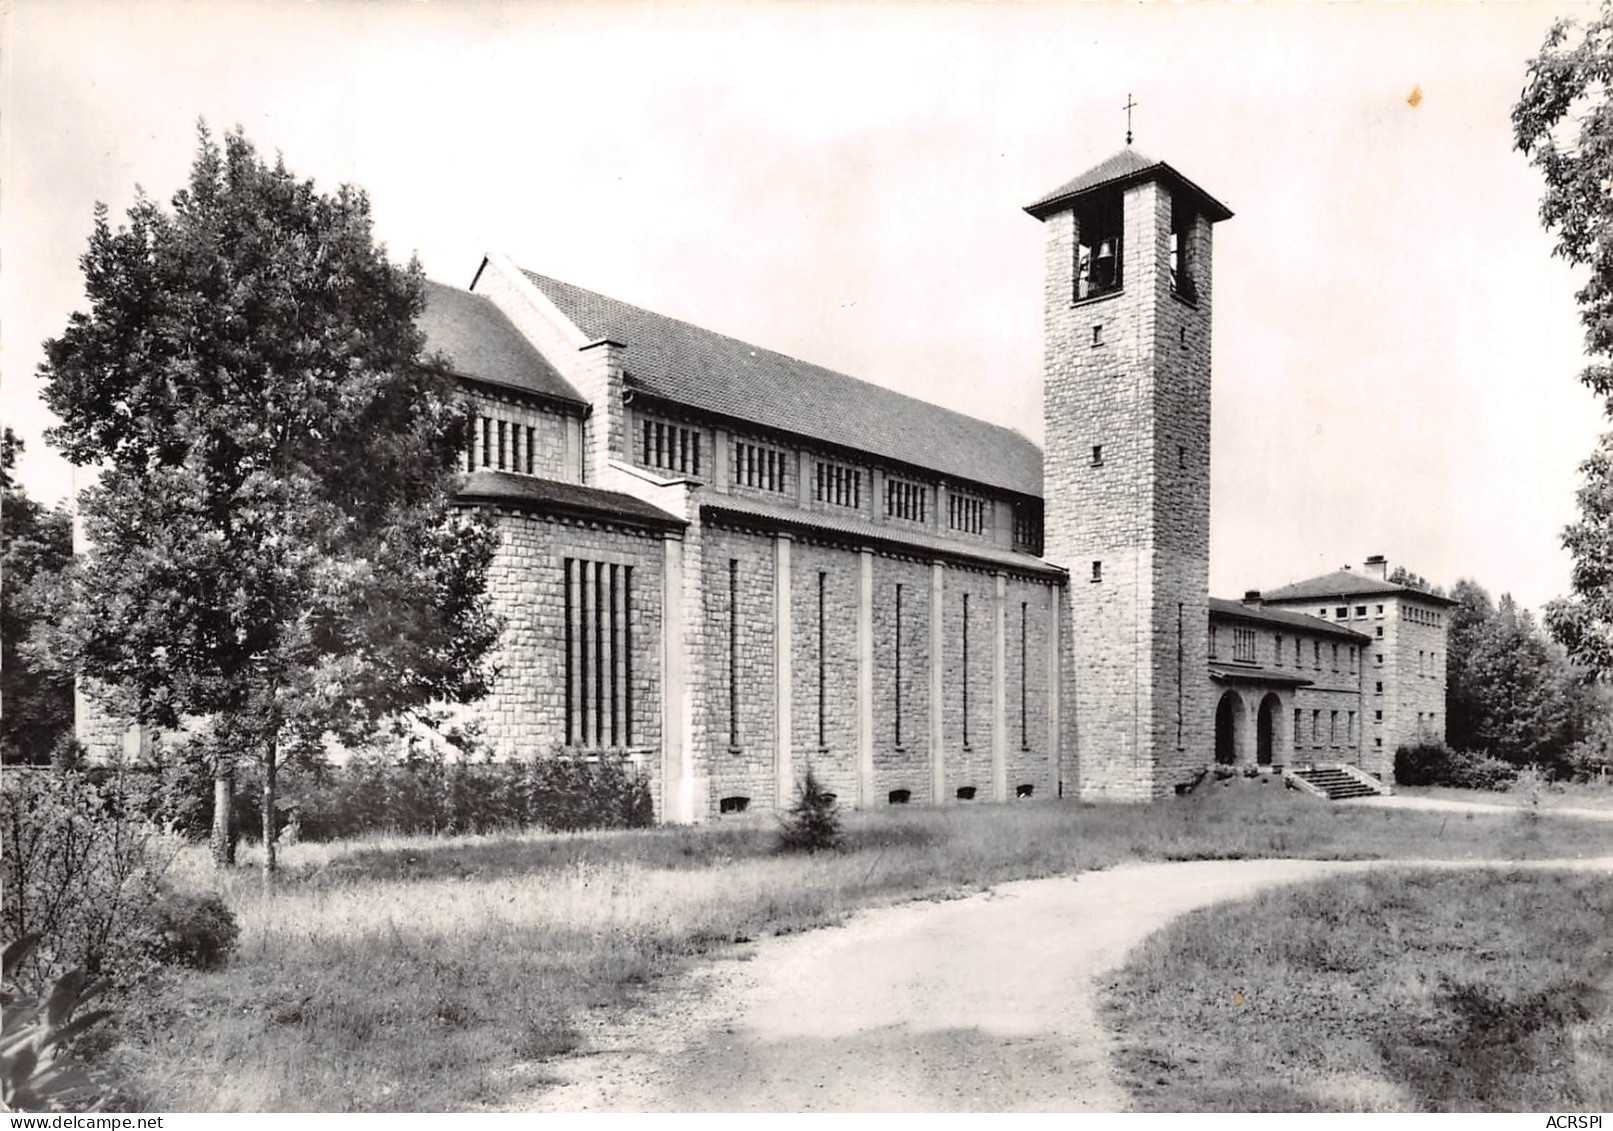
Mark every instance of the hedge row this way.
pixel 424 794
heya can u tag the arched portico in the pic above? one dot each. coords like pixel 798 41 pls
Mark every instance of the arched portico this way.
pixel 1231 726
pixel 1270 746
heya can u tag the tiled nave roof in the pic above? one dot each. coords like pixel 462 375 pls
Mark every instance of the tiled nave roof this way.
pixel 482 344
pixel 685 364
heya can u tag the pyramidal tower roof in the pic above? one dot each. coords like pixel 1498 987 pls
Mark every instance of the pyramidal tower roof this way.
pixel 1127 167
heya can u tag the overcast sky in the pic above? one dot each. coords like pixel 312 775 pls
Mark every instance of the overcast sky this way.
pixel 1394 348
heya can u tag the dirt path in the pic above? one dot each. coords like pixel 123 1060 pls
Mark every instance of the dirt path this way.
pixel 1451 805
pixel 979 1004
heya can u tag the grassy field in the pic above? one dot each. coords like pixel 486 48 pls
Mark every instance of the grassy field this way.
pixel 1553 796
pixel 1392 991
pixel 412 975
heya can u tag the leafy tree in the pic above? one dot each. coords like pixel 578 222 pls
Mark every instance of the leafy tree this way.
pixel 1510 692
pixel 1563 121
pixel 36 702
pixel 1466 700
pixel 1400 575
pixel 274 544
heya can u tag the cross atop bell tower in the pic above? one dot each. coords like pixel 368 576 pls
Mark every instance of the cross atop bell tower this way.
pixel 1129 107
pixel 1126 467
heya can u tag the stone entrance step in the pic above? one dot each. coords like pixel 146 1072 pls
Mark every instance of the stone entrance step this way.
pixel 1338 783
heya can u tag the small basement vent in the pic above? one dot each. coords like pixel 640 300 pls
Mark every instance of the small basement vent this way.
pixel 1024 790
pixel 733 805
pixel 966 793
pixel 901 796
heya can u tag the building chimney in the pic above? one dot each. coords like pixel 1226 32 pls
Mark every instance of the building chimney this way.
pixel 1377 567
pixel 1252 597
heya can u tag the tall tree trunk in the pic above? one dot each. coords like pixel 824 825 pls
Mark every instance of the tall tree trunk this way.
pixel 270 756
pixel 223 840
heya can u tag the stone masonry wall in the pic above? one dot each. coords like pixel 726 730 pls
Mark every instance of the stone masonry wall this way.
pixel 904 763
pixel 525 716
pixel 746 767
pixel 968 748
pixel 833 753
pixel 1026 685
pixel 1184 709
pixel 1417 687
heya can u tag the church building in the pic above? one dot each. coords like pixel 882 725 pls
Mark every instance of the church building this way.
pixel 727 565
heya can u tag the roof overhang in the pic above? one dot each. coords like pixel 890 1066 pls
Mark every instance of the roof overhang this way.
pixel 1237 674
pixel 1060 201
pixel 854 532
pixel 549 496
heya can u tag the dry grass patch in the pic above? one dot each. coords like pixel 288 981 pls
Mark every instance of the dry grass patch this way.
pixel 410 974
pixel 1395 991
pixel 1553 795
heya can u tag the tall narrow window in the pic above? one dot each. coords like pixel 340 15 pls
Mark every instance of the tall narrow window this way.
pixel 1179 669
pixel 602 696
pixel 503 442
pixel 487 441
pixel 627 655
pixel 1024 707
pixel 966 671
pixel 531 444
pixel 898 666
pixel 733 652
pixel 1279 651
pixel 598 608
pixel 822 660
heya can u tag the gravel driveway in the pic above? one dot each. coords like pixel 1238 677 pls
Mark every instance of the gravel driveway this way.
pixel 980 1004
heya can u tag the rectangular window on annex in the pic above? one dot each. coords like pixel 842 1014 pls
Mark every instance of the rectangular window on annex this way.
pixel 1243 645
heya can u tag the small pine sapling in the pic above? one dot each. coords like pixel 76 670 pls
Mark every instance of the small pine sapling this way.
pixel 813 822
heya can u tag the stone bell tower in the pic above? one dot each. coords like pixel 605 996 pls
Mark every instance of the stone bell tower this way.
pixel 1126 479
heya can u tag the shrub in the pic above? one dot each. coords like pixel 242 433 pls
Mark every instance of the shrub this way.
pixel 574 793
pixel 81 870
pixel 813 822
pixel 1426 763
pixel 429 792
pixel 1478 771
pixel 198 931
pixel 36 1072
pixel 1588 761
